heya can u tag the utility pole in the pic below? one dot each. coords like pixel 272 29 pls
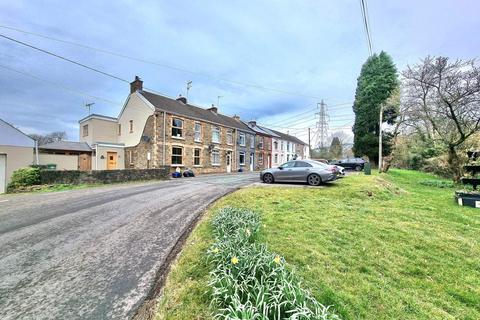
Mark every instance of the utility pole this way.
pixel 189 86
pixel 309 143
pixel 380 140
pixel 89 107
pixel 322 124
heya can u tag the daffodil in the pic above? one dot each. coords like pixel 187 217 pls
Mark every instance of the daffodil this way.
pixel 248 232
pixel 234 260
pixel 277 259
pixel 215 250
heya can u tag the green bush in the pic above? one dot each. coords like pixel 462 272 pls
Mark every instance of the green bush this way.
pixel 248 281
pixel 24 177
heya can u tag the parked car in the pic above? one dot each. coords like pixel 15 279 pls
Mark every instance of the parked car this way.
pixel 356 164
pixel 340 171
pixel 310 171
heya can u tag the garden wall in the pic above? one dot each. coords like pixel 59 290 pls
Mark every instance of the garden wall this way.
pixel 102 176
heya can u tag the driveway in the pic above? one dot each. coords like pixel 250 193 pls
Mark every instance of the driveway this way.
pixel 94 254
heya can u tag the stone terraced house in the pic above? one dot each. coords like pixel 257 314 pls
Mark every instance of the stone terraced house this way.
pixel 154 130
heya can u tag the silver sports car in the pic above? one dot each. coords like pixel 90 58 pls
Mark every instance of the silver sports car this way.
pixel 310 171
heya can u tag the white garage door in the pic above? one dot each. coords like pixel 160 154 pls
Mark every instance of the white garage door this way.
pixel 3 170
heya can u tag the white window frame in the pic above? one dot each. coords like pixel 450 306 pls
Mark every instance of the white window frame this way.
pixel 260 158
pixel 229 137
pixel 212 158
pixel 199 157
pixel 181 156
pixel 85 130
pixel 260 142
pixel 241 139
pixel 216 130
pixel 177 127
pixel 198 132
pixel 252 142
pixel 240 154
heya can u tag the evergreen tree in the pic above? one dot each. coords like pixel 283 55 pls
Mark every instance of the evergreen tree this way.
pixel 378 80
pixel 336 148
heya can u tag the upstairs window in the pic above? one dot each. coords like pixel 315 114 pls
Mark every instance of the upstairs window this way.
pixel 252 142
pixel 85 130
pixel 177 155
pixel 177 128
pixel 131 125
pixel 275 145
pixel 216 134
pixel 198 132
pixel 229 136
pixel 260 142
pixel 241 139
pixel 288 146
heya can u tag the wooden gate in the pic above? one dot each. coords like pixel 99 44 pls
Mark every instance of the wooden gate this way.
pixel 84 162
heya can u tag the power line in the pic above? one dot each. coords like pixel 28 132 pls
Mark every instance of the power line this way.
pixel 366 24
pixel 63 58
pixel 124 56
pixel 57 85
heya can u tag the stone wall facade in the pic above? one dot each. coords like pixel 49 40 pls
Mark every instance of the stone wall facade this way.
pixel 196 154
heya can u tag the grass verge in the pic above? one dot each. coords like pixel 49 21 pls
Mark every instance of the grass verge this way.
pixel 375 247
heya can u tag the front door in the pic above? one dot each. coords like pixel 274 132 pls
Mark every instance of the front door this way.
pixel 84 162
pixel 269 163
pixel 251 161
pixel 111 160
pixel 229 161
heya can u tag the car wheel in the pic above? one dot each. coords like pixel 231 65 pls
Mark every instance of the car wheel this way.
pixel 358 168
pixel 268 178
pixel 314 180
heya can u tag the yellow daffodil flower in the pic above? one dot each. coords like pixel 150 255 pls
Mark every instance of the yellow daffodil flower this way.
pixel 277 259
pixel 234 260
pixel 215 250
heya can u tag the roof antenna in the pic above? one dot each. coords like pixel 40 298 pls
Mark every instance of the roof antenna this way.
pixel 189 86
pixel 89 107
pixel 218 101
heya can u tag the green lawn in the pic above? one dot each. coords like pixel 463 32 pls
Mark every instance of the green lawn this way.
pixel 376 247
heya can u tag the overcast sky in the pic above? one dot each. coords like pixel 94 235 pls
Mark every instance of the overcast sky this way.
pixel 312 49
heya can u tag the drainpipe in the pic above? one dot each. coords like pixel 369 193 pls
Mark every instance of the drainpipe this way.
pixel 96 157
pixel 164 135
pixel 36 153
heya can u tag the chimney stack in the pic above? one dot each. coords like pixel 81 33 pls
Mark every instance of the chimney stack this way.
pixel 213 109
pixel 236 117
pixel 182 99
pixel 252 123
pixel 136 85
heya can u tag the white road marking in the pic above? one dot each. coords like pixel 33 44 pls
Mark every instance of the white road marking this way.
pixel 4 200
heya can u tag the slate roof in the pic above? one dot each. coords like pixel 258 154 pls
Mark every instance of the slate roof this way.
pixel 179 108
pixel 262 130
pixel 67 146
pixel 288 137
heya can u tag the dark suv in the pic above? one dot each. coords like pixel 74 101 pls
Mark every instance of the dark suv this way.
pixel 356 164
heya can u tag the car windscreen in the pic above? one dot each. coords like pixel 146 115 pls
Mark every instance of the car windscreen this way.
pixel 318 164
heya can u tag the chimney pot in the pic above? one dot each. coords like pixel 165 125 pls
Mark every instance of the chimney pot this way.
pixel 182 99
pixel 213 109
pixel 253 123
pixel 136 85
pixel 236 117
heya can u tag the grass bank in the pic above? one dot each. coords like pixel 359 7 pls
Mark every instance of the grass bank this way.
pixel 389 247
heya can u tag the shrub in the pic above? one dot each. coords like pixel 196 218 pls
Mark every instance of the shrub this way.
pixel 248 281
pixel 24 177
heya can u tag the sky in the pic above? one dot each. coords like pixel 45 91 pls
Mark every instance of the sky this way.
pixel 270 61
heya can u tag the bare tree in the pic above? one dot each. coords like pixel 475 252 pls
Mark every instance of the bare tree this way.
pixel 446 96
pixel 49 138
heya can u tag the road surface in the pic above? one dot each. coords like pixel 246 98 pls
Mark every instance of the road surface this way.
pixel 93 254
